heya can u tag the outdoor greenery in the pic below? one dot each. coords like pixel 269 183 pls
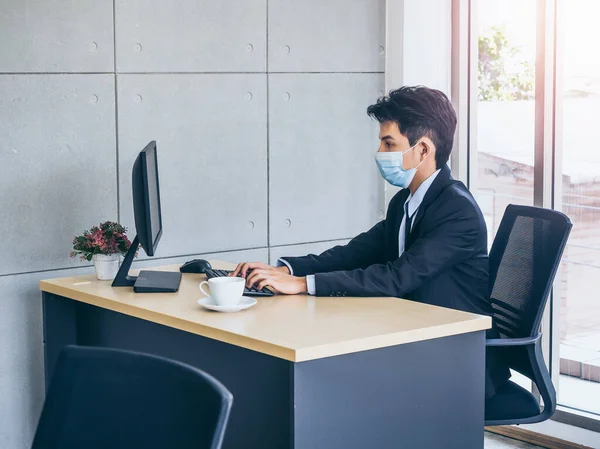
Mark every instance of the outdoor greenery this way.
pixel 503 74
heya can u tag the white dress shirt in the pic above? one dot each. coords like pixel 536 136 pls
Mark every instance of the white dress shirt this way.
pixel 411 206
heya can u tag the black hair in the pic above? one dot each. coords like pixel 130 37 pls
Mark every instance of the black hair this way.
pixel 419 111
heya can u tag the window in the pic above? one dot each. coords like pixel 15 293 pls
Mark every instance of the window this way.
pixel 579 321
pixel 507 58
pixel 505 107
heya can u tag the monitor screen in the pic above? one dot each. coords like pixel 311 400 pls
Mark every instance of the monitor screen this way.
pixel 146 199
pixel 153 195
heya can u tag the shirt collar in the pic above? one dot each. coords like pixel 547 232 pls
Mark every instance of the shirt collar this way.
pixel 414 201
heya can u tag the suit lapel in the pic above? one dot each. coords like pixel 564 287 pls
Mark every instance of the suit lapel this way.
pixel 442 181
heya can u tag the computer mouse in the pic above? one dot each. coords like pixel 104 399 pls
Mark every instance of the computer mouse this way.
pixel 195 266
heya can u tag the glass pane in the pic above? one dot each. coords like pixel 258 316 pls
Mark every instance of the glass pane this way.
pixel 579 321
pixel 505 120
pixel 505 107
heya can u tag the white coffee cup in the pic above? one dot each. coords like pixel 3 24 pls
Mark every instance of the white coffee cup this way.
pixel 226 291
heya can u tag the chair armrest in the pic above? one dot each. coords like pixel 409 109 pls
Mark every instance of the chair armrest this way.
pixel 513 341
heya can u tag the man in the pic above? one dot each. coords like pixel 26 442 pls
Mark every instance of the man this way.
pixel 432 245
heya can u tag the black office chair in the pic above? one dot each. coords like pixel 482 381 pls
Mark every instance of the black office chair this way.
pixel 524 259
pixel 106 398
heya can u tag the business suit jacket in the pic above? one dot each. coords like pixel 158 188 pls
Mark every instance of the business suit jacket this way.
pixel 445 261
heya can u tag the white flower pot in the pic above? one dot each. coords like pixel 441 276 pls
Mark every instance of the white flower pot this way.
pixel 107 266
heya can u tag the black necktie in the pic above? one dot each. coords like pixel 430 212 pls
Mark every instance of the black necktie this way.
pixel 407 225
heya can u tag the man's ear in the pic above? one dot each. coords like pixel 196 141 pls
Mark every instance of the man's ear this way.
pixel 426 148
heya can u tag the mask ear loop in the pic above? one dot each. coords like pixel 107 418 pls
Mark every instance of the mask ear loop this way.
pixel 406 151
pixel 417 166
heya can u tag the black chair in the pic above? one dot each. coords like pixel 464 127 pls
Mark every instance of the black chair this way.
pixel 107 398
pixel 524 259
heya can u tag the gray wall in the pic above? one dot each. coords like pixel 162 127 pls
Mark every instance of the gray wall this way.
pixel 258 109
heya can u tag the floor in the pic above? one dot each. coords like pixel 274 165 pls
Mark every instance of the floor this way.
pixel 580 394
pixel 493 441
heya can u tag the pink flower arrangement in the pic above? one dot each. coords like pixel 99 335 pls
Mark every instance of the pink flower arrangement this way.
pixel 107 238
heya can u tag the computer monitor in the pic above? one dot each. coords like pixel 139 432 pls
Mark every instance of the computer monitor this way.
pixel 146 199
pixel 148 226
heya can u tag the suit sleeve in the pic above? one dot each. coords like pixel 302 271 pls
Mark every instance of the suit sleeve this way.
pixel 450 240
pixel 362 251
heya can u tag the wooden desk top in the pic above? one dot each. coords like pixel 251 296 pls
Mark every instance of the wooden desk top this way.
pixel 295 328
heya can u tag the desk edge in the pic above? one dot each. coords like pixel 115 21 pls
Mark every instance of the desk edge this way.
pixel 478 323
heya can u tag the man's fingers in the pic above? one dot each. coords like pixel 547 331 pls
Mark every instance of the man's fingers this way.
pixel 250 266
pixel 237 270
pixel 262 284
pixel 256 276
pixel 246 268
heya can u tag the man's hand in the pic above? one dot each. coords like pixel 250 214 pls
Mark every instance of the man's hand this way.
pixel 277 280
pixel 243 269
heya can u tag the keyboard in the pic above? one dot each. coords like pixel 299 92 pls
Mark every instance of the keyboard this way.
pixel 249 291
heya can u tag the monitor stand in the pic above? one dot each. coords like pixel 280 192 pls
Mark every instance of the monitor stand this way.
pixel 147 281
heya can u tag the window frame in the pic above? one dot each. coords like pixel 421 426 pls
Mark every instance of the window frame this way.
pixel 547 147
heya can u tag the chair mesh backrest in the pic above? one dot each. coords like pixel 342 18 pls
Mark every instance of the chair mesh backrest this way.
pixel 106 398
pixel 524 259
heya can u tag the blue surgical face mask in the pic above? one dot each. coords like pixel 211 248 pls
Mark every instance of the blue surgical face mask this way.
pixel 390 167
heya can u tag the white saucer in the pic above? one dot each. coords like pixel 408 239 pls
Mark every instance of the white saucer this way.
pixel 209 303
